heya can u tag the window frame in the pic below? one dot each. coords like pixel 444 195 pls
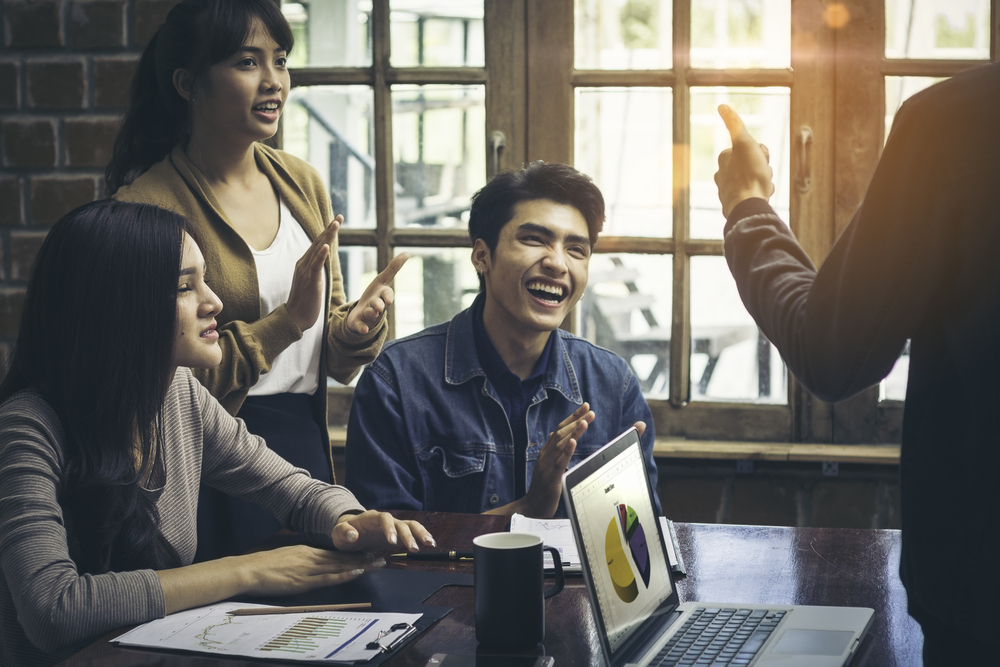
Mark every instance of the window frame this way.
pixel 380 77
pixel 530 83
pixel 504 78
pixel 679 416
pixel 861 70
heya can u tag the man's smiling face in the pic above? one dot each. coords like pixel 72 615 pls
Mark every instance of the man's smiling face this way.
pixel 539 269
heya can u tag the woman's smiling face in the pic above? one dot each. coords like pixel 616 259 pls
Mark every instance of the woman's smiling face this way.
pixel 243 95
pixel 196 343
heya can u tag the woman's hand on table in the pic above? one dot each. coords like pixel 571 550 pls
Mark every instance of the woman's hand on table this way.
pixel 301 568
pixel 284 571
pixel 378 531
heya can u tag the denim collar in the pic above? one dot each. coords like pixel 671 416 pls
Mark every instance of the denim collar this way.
pixel 462 361
pixel 490 359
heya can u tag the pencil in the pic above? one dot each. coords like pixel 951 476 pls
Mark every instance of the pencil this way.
pixel 436 555
pixel 260 611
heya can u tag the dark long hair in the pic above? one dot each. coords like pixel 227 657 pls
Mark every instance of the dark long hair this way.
pixel 196 35
pixel 96 341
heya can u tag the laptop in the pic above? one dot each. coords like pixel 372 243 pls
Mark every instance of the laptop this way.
pixel 639 617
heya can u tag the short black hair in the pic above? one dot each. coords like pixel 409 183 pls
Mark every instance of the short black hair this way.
pixel 493 206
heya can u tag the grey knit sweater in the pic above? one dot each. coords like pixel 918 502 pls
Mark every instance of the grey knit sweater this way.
pixel 47 609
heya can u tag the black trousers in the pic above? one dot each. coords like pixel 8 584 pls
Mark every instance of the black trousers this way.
pixel 228 526
pixel 947 646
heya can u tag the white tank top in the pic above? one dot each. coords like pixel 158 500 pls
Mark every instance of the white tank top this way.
pixel 296 369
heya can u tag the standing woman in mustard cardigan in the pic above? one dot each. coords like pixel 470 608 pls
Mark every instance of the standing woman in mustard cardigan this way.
pixel 210 85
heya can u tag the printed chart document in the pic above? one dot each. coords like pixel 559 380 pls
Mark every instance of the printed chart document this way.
pixel 328 636
pixel 558 533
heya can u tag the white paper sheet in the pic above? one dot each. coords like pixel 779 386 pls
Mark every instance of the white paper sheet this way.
pixel 327 636
pixel 556 533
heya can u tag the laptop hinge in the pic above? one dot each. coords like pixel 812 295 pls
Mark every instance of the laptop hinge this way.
pixel 643 642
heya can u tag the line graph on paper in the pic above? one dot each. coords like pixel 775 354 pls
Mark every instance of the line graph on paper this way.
pixel 218 635
pixel 559 530
pixel 556 533
pixel 225 631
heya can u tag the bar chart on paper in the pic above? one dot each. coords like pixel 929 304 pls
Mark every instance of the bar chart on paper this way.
pixel 306 635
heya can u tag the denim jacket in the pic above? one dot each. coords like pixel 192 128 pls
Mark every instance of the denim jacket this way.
pixel 919 261
pixel 427 431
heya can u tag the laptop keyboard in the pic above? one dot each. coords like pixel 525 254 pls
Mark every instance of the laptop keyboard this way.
pixel 716 637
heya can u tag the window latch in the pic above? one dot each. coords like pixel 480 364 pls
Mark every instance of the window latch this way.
pixel 497 143
pixel 803 179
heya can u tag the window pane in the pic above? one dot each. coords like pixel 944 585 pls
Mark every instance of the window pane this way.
pixel 940 29
pixel 626 309
pixel 432 287
pixel 331 128
pixel 730 358
pixel 359 267
pixel 333 33
pixel 623 142
pixel 741 34
pixel 893 387
pixel 439 150
pixel 766 114
pixel 436 33
pixel 624 34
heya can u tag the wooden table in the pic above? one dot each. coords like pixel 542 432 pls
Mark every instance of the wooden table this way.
pixel 725 563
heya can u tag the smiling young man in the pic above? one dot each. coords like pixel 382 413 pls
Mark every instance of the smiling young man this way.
pixel 486 412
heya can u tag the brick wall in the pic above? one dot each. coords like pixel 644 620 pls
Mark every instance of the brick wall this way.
pixel 65 68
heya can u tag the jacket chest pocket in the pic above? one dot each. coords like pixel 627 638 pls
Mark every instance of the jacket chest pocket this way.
pixel 454 477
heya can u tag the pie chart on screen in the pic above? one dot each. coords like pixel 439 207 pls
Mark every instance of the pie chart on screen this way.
pixel 623 577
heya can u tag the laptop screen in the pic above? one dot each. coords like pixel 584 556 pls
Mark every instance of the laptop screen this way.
pixel 624 560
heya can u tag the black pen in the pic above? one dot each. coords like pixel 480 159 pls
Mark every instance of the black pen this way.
pixel 436 555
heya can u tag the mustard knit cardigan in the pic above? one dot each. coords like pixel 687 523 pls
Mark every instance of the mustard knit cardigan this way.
pixel 249 339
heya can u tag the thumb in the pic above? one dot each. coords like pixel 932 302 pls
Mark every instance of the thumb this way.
pixel 737 130
pixel 345 536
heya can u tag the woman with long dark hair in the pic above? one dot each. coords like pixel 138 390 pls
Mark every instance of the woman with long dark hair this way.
pixel 105 436
pixel 209 87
